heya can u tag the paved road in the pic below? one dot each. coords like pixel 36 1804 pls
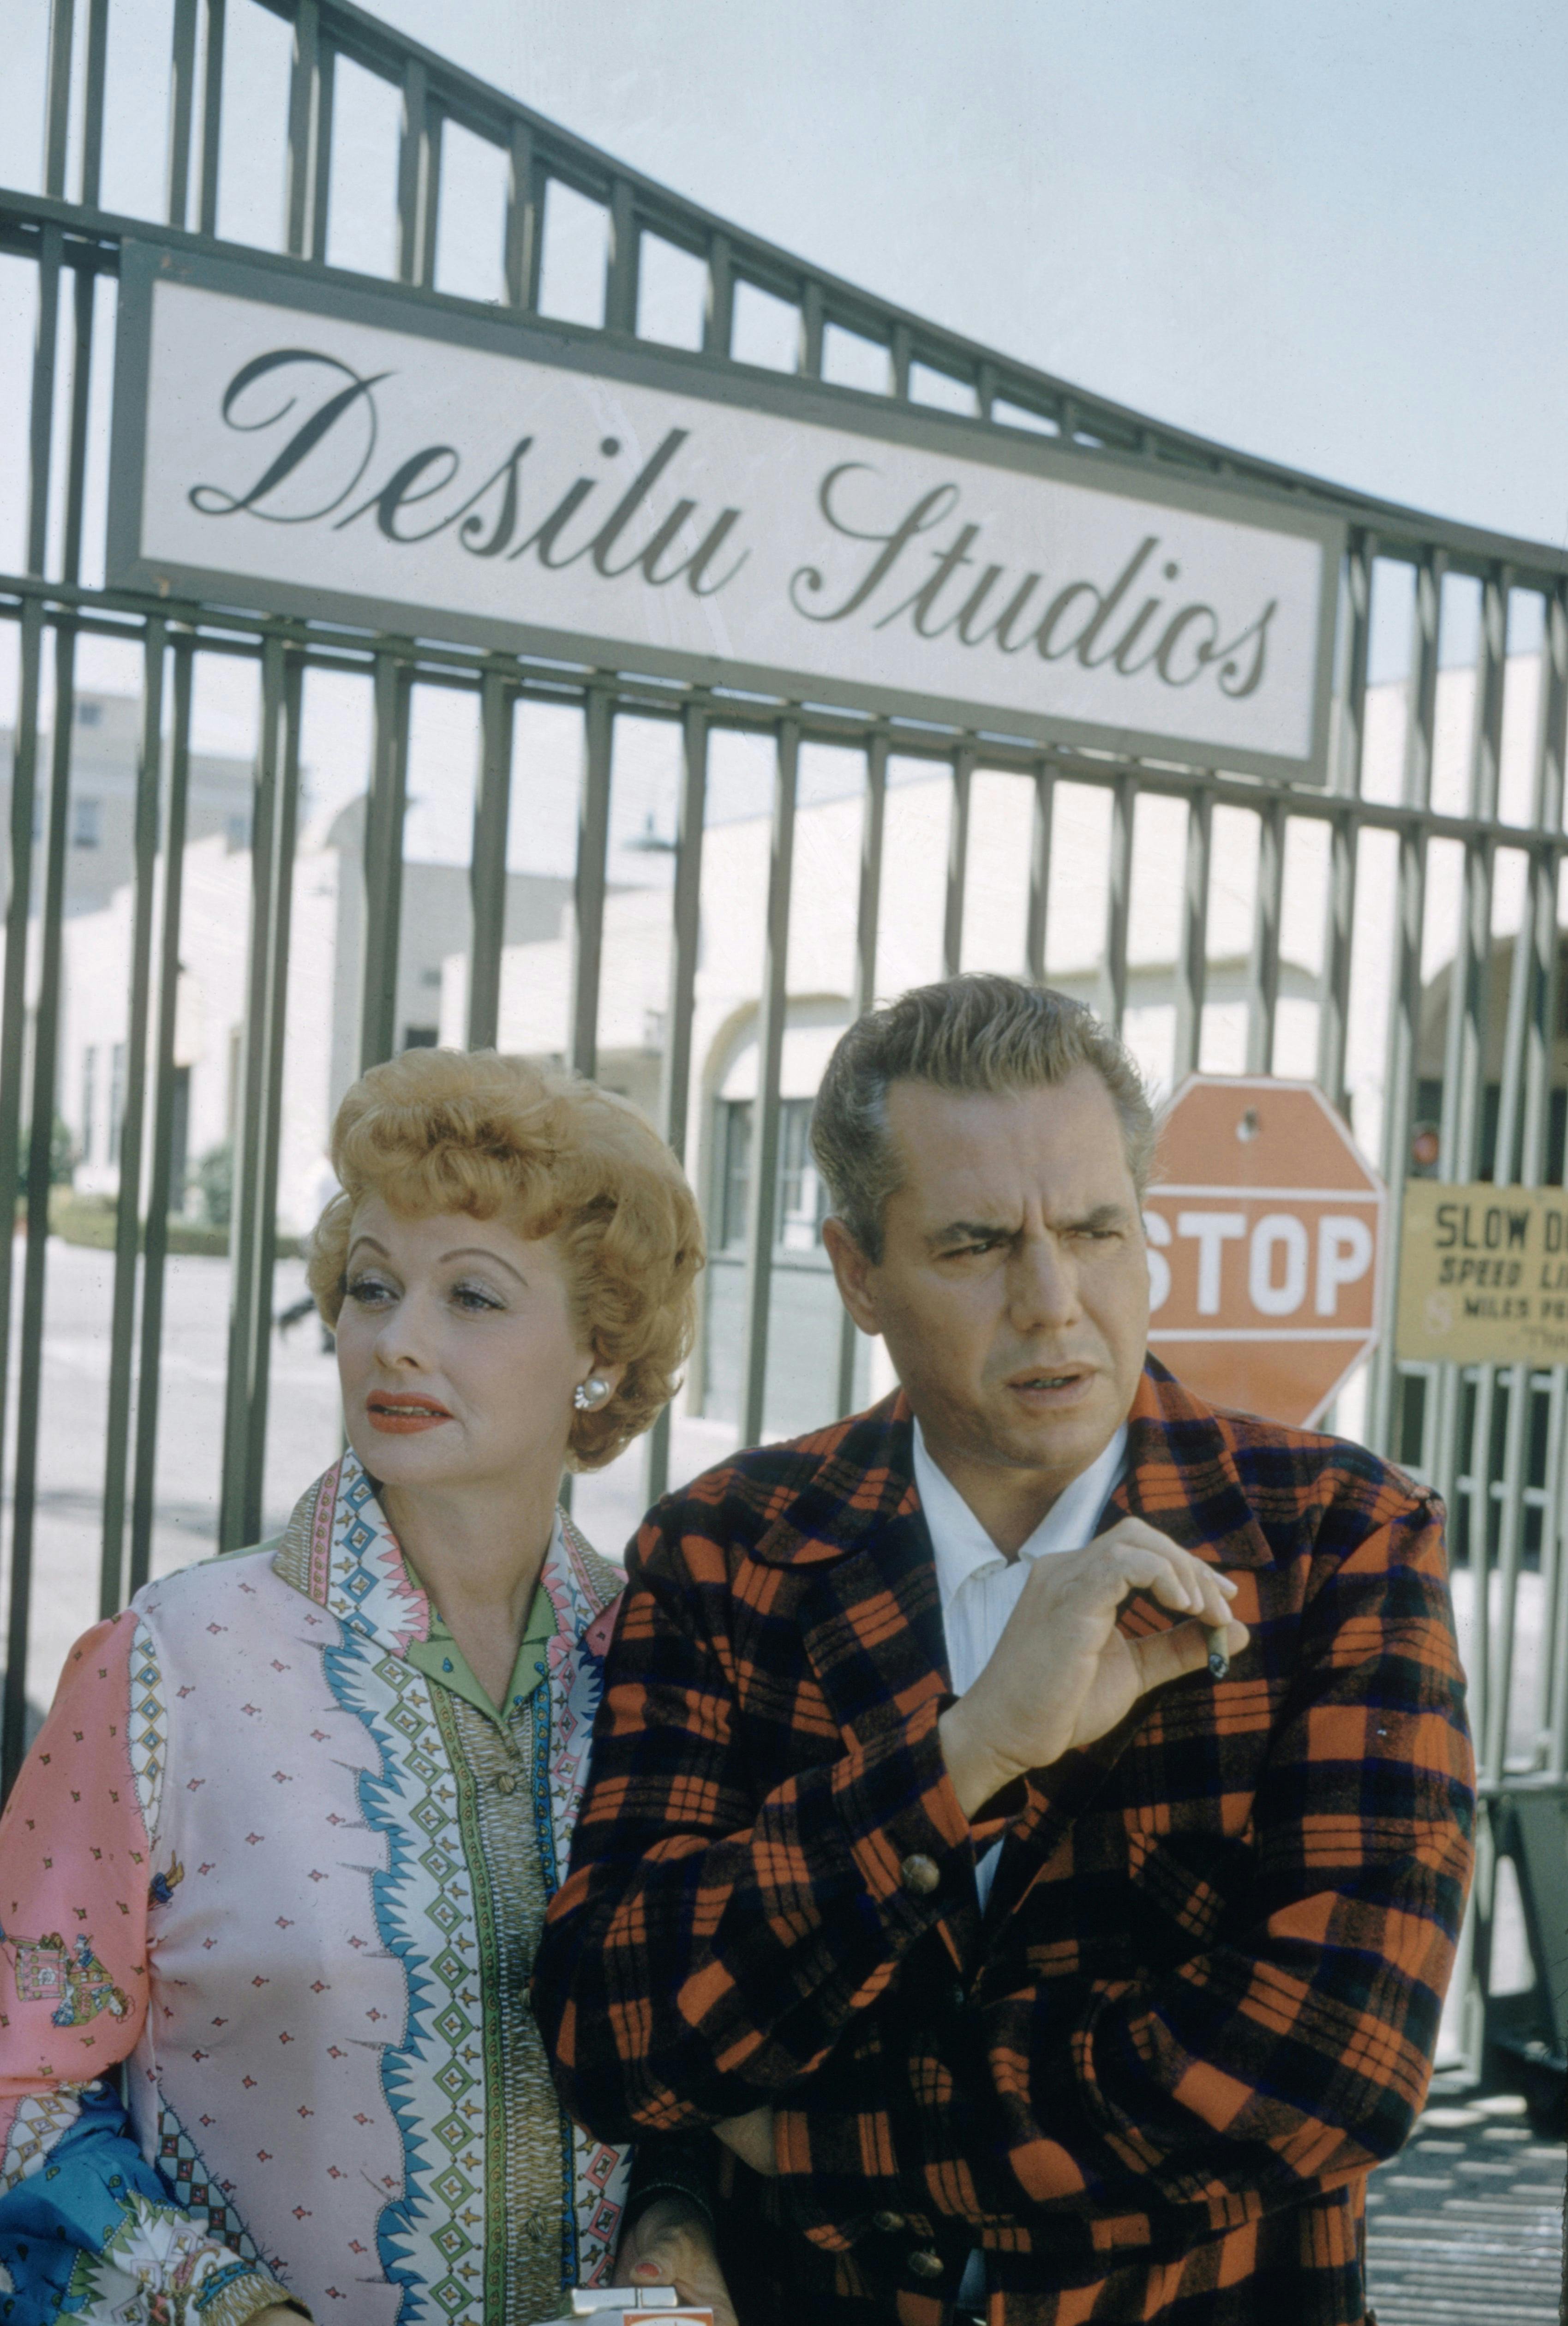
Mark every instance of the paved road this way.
pixel 1464 2228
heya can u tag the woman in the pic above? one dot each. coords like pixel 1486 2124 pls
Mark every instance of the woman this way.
pixel 284 1843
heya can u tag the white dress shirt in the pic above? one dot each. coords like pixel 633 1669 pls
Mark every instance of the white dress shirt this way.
pixel 980 1590
pixel 979 1587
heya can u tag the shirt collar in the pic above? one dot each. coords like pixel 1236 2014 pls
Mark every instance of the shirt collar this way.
pixel 960 1542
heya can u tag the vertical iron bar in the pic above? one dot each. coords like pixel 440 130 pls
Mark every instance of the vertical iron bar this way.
pixel 1263 972
pixel 718 311
pixel 1334 986
pixel 30 1349
pixel 621 266
pixel 984 390
pixel 1552 1572
pixel 1491 681
pixel 1522 994
pixel 592 845
pixel 41 418
pixel 385 811
pixel 13 1060
pixel 1523 1101
pixel 416 188
pixel 81 365
pixel 92 138
pixel 1401 1053
pixel 1193 957
pixel 1463 1103
pixel 1494 1741
pixel 57 107
pixel 1545 862
pixel 181 111
pixel 675 1083
pixel 770 1034
pixel 1402 1048
pixel 488 865
pixel 1462 1091
pixel 1479 1664
pixel 162 1195
pixel 867 917
pixel 686 928
pixel 301 188
pixel 524 219
pixel 253 1236
pixel 211 115
pixel 958 852
pixel 812 323
pixel 1118 893
pixel 322 162
pixel 1039 874
pixel 128 1197
pixel 1352 734
pixel 869 908
pixel 899 355
pixel 1556 1644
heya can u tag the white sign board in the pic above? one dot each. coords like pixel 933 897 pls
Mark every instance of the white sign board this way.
pixel 284 444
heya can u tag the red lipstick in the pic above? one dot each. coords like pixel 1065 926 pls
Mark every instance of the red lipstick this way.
pixel 397 1414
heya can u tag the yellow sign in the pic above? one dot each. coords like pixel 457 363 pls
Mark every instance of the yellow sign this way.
pixel 1484 1274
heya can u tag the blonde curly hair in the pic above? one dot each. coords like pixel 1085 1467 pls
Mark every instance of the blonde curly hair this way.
pixel 457 1130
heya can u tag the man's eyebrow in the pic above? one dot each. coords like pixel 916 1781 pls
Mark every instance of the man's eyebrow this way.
pixel 1103 1215
pixel 957 1231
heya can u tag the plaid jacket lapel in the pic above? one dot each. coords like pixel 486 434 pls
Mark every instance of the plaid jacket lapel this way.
pixel 1182 1477
pixel 869 1615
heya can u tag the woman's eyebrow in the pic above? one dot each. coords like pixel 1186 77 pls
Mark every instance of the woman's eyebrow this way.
pixel 481 1251
pixel 364 1238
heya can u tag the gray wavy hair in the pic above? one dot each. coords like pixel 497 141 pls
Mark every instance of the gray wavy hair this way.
pixel 971 1033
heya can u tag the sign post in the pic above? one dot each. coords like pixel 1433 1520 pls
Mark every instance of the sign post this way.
pixel 1266 1234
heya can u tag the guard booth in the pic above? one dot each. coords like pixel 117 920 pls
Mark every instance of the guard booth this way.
pixel 452 589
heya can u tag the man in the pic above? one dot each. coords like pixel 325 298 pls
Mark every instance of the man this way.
pixel 1029 1966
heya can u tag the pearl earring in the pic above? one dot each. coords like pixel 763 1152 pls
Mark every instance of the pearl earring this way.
pixel 589 1394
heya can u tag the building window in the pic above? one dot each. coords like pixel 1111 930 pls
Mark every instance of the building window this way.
pixel 801 1201
pixel 84 823
pixel 735 1169
pixel 238 831
pixel 90 1075
pixel 89 715
pixel 117 1098
pixel 421 1037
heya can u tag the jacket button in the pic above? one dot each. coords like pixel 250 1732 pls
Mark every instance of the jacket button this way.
pixel 924 2263
pixel 886 2223
pixel 505 1780
pixel 921 1876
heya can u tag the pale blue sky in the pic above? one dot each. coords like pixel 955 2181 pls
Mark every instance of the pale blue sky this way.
pixel 1329 231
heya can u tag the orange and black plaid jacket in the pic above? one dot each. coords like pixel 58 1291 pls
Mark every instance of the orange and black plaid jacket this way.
pixel 1204 1995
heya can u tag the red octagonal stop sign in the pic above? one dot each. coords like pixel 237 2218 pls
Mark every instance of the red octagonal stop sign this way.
pixel 1266 1241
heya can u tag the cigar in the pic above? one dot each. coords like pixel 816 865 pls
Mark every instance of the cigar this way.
pixel 1219 1657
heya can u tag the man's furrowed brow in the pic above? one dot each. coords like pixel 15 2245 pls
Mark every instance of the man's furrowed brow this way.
pixel 970 1231
pixel 1103 1217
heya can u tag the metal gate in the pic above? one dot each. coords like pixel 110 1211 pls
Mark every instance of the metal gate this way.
pixel 1395 933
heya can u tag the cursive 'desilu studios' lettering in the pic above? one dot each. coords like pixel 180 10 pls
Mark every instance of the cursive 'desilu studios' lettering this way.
pixel 923 569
